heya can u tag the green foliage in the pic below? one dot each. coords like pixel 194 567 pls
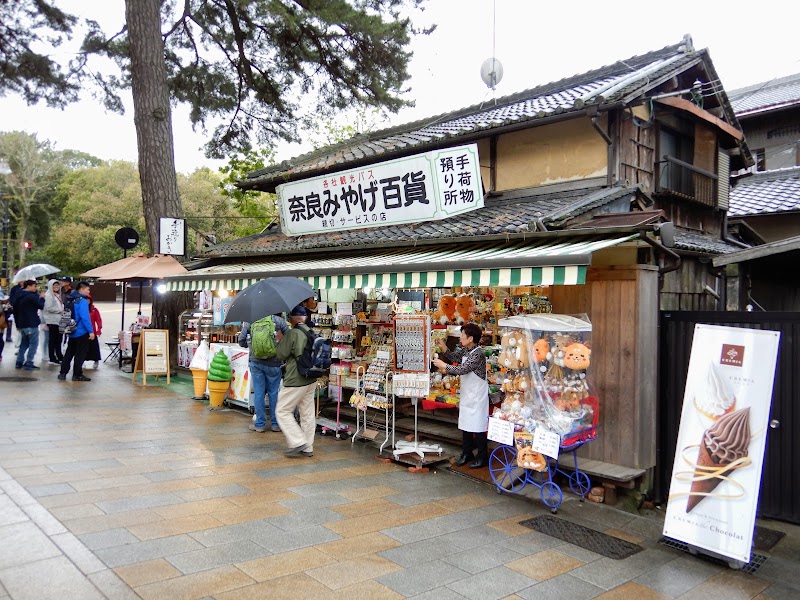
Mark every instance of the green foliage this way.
pixel 27 29
pixel 249 203
pixel 253 65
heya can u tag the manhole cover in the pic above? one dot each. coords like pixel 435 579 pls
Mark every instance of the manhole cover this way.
pixel 756 560
pixel 18 379
pixel 583 537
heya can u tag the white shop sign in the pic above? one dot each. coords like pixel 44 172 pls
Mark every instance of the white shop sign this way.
pixel 424 187
pixel 716 475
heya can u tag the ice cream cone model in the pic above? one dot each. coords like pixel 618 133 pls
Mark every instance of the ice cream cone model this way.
pixel 713 399
pixel 219 379
pixel 723 447
pixel 199 377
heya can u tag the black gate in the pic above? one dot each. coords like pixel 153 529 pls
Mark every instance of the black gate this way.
pixel 780 480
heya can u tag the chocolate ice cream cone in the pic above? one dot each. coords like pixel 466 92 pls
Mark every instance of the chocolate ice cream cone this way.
pixel 705 466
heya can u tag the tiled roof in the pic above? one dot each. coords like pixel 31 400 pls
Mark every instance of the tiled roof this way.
pixel 602 86
pixel 691 241
pixel 510 213
pixel 766 192
pixel 768 95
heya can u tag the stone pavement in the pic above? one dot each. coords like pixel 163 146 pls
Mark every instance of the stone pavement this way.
pixel 112 490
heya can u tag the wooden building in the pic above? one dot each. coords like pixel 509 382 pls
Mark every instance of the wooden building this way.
pixel 637 153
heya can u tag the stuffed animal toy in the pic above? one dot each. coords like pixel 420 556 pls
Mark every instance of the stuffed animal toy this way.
pixel 465 306
pixel 576 357
pixel 540 350
pixel 508 359
pixel 522 383
pixel 522 351
pixel 445 310
pixel 556 357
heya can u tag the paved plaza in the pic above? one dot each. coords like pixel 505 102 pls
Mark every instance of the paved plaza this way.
pixel 114 490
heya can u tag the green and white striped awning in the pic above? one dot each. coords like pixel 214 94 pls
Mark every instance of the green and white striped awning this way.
pixel 552 261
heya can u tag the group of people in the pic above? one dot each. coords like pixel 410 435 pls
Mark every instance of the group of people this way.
pixel 30 311
pixel 297 393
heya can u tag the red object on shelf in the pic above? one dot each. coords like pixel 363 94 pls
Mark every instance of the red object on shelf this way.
pixel 433 405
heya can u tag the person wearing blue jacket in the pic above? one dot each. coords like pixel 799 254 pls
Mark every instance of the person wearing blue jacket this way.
pixel 78 344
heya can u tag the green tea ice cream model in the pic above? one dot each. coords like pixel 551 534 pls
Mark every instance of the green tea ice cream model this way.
pixel 220 368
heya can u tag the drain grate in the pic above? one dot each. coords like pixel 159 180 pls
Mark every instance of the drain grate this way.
pixel 581 536
pixel 765 539
pixel 756 560
pixel 13 379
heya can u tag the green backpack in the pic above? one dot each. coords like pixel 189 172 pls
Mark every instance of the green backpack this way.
pixel 262 338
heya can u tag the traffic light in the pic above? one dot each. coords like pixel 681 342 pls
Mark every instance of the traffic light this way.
pixel 27 245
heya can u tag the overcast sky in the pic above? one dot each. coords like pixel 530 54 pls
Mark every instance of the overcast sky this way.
pixel 537 42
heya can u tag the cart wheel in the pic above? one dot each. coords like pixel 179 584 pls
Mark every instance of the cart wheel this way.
pixel 551 495
pixel 323 431
pixel 338 436
pixel 579 484
pixel 503 469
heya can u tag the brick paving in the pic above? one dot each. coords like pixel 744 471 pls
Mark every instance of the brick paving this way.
pixel 114 490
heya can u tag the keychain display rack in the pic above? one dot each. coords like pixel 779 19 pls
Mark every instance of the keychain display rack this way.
pixel 381 402
pixel 412 379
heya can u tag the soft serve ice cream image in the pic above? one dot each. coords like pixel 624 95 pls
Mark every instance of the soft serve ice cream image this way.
pixel 713 397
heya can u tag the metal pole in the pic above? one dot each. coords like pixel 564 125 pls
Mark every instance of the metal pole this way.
pixel 122 327
pixel 5 240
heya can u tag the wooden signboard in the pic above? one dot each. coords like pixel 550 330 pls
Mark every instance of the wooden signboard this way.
pixel 152 357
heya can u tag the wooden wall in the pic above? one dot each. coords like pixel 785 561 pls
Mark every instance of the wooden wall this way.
pixel 637 154
pixel 622 303
pixel 684 289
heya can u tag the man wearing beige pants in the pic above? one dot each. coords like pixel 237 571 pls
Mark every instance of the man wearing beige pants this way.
pixel 297 391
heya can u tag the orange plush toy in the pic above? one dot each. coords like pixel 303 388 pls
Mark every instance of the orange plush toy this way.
pixel 446 310
pixel 465 306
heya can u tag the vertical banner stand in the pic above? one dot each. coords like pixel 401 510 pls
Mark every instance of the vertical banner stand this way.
pixel 152 356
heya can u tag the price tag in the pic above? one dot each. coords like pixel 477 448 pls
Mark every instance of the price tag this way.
pixel 501 431
pixel 546 442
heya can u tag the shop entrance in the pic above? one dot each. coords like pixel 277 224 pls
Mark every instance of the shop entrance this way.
pixel 780 483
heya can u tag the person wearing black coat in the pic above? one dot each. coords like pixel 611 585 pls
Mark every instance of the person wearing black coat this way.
pixel 27 303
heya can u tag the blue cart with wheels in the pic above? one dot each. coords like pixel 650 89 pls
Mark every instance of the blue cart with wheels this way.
pixel 508 476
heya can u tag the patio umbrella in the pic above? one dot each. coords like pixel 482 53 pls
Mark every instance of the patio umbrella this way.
pixel 268 297
pixel 34 271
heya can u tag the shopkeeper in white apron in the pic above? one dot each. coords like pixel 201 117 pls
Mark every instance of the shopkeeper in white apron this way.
pixel 473 405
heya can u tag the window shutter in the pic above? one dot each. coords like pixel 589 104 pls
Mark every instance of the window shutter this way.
pixel 723 178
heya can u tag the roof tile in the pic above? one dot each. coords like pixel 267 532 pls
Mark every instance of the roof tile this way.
pixel 765 193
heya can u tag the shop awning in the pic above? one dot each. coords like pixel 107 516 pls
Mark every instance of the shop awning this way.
pixel 560 261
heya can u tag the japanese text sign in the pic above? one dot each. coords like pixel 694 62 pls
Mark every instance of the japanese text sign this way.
pixel 424 187
pixel 172 236
pixel 501 431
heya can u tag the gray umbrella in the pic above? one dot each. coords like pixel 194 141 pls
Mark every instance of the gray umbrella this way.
pixel 268 297
pixel 34 271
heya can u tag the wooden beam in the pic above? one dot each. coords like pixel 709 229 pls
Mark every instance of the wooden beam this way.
pixel 690 107
pixel 778 247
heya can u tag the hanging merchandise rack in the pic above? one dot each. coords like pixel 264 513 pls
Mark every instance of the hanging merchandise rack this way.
pixel 342 352
pixel 412 379
pixel 549 407
pixel 374 394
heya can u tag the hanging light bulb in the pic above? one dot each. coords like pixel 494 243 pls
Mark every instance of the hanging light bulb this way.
pixel 367 290
pixel 222 293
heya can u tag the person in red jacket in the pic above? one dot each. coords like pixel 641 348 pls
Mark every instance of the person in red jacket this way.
pixel 97 326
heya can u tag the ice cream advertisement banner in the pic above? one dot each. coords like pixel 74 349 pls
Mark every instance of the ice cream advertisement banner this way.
pixel 713 493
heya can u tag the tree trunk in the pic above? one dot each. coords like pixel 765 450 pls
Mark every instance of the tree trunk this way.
pixel 153 120
pixel 22 232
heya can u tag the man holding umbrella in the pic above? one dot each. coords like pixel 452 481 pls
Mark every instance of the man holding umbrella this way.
pixel 297 391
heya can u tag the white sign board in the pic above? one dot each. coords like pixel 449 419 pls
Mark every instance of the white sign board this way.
pixel 501 431
pixel 172 236
pixel 724 423
pixel 546 442
pixel 156 351
pixel 424 187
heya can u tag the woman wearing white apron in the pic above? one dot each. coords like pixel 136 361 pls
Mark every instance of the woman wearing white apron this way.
pixel 473 405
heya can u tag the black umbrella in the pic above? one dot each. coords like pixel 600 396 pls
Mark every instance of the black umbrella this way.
pixel 268 297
